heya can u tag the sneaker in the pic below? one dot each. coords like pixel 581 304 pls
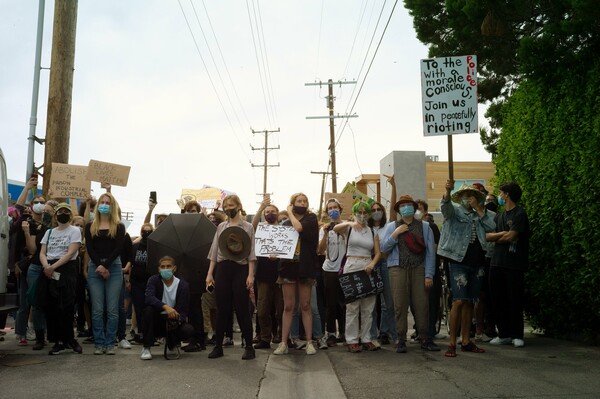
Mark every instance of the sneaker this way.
pixel 369 346
pixel 262 345
pixel 354 348
pixel 124 344
pixel 310 348
pixel 30 334
pixel 471 347
pixel 57 349
pixel 482 338
pixel 216 352
pixel 429 345
pixel 146 355
pixel 376 343
pixel 401 347
pixel 249 353
pixel 322 343
pixel 22 341
pixel 228 341
pixel 299 344
pixel 192 347
pixel 173 353
pixel 39 345
pixel 74 345
pixel 282 349
pixel 99 351
pixel 518 343
pixel 110 350
pixel 331 340
pixel 451 351
pixel 500 341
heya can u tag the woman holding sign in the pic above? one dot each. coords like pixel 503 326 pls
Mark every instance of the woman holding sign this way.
pixel 298 274
pixel 362 254
pixel 104 238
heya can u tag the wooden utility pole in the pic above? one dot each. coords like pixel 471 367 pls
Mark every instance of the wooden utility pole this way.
pixel 330 100
pixel 266 149
pixel 58 125
pixel 322 191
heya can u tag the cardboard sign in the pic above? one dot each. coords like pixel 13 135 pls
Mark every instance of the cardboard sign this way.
pixel 449 94
pixel 345 199
pixel 357 285
pixel 69 181
pixel 275 240
pixel 201 194
pixel 104 172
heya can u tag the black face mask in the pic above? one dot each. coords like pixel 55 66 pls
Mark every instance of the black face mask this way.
pixel 46 219
pixel 145 235
pixel 491 206
pixel 231 213
pixel 63 218
pixel 300 210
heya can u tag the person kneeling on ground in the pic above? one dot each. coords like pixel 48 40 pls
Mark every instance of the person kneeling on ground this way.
pixel 167 297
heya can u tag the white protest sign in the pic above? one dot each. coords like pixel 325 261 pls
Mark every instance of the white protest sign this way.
pixel 276 240
pixel 69 181
pixel 105 172
pixel 449 94
pixel 208 204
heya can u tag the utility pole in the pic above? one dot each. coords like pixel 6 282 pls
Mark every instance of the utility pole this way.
pixel 58 125
pixel 330 100
pixel 322 191
pixel 266 149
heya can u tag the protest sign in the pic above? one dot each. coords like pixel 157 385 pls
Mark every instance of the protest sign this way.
pixel 359 284
pixel 69 181
pixel 449 95
pixel 105 172
pixel 275 240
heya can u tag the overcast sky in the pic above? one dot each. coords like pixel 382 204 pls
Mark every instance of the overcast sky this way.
pixel 142 96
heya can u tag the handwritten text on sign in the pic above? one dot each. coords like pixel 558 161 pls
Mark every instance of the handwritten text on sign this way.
pixel 276 240
pixel 449 91
pixel 105 172
pixel 69 181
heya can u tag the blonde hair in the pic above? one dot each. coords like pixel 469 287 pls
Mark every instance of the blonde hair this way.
pixel 235 199
pixel 296 195
pixel 113 217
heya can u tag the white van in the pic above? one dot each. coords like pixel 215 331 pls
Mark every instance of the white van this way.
pixel 8 302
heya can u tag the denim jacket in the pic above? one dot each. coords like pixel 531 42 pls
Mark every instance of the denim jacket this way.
pixel 389 245
pixel 456 230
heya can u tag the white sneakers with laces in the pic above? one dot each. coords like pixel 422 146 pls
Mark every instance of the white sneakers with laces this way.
pixel 282 349
pixel 146 355
pixel 310 348
pixel 124 344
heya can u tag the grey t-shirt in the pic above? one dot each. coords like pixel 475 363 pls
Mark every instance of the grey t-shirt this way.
pixel 57 242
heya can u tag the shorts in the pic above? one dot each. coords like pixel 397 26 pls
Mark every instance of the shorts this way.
pixel 301 281
pixel 465 282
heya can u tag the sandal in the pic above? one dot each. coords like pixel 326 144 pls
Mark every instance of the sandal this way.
pixel 354 348
pixel 451 352
pixel 471 347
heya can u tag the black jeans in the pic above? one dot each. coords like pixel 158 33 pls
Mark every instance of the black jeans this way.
pixel 155 325
pixel 60 309
pixel 196 318
pixel 507 288
pixel 138 298
pixel 231 293
pixel 334 303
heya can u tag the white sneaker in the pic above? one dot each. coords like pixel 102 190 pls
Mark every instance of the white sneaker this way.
pixel 518 343
pixel 310 348
pixel 299 344
pixel 376 343
pixel 124 344
pixel 500 341
pixel 282 349
pixel 322 342
pixel 482 338
pixel 146 355
pixel 30 334
pixel 110 350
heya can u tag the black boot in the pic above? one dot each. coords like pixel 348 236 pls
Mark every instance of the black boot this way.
pixel 39 340
pixel 216 352
pixel 249 353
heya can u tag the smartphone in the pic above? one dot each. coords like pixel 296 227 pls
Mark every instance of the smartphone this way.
pixel 153 196
pixel 55 276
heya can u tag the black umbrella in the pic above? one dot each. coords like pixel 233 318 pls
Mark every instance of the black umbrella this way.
pixel 187 238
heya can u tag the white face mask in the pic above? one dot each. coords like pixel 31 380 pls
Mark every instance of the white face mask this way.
pixel 362 219
pixel 38 208
pixel 418 215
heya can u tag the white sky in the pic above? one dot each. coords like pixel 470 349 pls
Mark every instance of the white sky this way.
pixel 142 97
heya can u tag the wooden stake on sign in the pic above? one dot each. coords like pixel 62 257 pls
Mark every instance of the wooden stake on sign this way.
pixel 450 160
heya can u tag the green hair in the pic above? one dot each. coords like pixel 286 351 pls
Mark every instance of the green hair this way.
pixel 362 204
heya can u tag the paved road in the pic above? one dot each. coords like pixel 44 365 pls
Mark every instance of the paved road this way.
pixel 544 368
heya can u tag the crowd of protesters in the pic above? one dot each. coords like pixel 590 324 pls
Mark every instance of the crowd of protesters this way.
pixel 81 275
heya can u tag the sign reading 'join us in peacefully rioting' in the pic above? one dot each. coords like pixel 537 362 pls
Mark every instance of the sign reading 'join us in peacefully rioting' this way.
pixel 449 91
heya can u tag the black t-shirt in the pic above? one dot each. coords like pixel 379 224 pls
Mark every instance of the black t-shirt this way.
pixel 139 261
pixel 304 264
pixel 512 255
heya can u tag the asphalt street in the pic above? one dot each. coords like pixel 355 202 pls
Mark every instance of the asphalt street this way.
pixel 544 368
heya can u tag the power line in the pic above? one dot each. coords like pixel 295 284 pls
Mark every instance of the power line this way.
pixel 355 36
pixel 266 63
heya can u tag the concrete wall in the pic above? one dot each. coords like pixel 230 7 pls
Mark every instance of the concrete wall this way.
pixel 408 168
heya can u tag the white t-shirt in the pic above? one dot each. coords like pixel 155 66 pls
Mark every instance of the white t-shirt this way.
pixel 334 252
pixel 170 293
pixel 58 246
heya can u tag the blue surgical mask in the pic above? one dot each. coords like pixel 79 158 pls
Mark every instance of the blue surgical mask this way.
pixel 334 214
pixel 91 216
pixel 407 211
pixel 104 209
pixel 166 274
pixel 501 201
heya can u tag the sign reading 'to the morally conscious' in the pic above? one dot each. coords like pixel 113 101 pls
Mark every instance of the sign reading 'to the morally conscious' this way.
pixel 449 92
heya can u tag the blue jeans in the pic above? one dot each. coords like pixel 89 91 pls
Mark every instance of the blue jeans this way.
pixel 23 312
pixel 388 319
pixel 37 314
pixel 104 296
pixel 317 331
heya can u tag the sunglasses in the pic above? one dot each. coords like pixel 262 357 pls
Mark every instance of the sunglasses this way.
pixel 375 209
pixel 39 202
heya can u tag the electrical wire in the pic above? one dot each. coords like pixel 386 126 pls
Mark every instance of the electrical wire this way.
pixel 355 36
pixel 266 64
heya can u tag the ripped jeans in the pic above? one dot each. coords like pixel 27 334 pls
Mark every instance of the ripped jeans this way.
pixel 465 281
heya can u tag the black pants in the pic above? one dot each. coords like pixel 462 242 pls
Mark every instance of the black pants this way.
pixel 155 325
pixel 138 298
pixel 507 292
pixel 196 318
pixel 60 308
pixel 231 293
pixel 334 303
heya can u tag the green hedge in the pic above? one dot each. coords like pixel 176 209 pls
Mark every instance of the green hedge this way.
pixel 550 145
